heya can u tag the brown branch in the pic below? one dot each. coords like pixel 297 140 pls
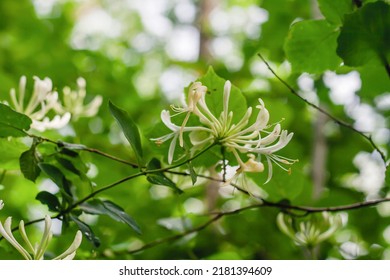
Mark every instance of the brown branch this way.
pixel 336 120
pixel 84 148
pixel 264 203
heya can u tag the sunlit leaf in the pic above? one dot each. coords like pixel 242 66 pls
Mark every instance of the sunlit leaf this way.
pixel 13 123
pixel 214 96
pixel 334 10
pixel 10 150
pixel 311 46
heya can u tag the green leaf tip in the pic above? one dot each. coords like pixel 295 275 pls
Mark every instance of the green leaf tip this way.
pixel 129 129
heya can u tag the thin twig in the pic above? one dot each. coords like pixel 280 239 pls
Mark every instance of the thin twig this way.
pixel 219 215
pixel 85 148
pixel 336 120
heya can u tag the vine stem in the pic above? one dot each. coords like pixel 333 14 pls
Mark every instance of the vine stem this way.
pixel 87 149
pixel 263 204
pixel 336 120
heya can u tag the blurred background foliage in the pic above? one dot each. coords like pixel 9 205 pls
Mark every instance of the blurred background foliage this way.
pixel 141 54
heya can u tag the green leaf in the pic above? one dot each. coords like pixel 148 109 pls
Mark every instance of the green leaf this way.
pixel 117 213
pixel 56 175
pixel 13 123
pixel 50 200
pixel 334 10
pixel 28 162
pixel 374 82
pixel 365 35
pixel 311 46
pixel 159 178
pixel 129 129
pixel 10 150
pixel 87 231
pixel 98 207
pixel 284 186
pixel 214 97
pixel 194 176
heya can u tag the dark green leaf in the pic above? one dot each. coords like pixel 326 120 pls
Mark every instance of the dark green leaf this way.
pixel 129 129
pixel 28 162
pixel 194 176
pixel 117 213
pixel 87 231
pixel 98 207
pixel 334 10
pixel 311 46
pixel 365 35
pixel 93 207
pixel 56 175
pixel 13 123
pixel 68 165
pixel 50 200
pixel 158 177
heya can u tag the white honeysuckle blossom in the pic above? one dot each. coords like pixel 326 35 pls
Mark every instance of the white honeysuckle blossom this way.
pixel 45 100
pixel 41 102
pixel 1 204
pixel 238 138
pixel 36 252
pixel 309 233
pixel 74 102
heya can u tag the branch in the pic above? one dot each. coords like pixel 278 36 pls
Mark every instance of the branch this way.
pixel 84 148
pixel 263 204
pixel 336 120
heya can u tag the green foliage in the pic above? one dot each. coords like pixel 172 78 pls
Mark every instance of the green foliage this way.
pixel 98 207
pixel 83 172
pixel 334 11
pixel 365 36
pixel 11 151
pixel 29 164
pixel 158 177
pixel 50 200
pixel 86 230
pixel 130 130
pixel 311 46
pixel 13 123
pixel 214 100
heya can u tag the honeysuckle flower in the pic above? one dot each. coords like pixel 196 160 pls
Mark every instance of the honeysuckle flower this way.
pixel 73 102
pixel 1 204
pixel 41 102
pixel 176 132
pixel 36 252
pixel 238 138
pixel 310 232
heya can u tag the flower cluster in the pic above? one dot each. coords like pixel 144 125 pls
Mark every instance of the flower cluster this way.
pixel 310 232
pixel 37 251
pixel 44 100
pixel 238 138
